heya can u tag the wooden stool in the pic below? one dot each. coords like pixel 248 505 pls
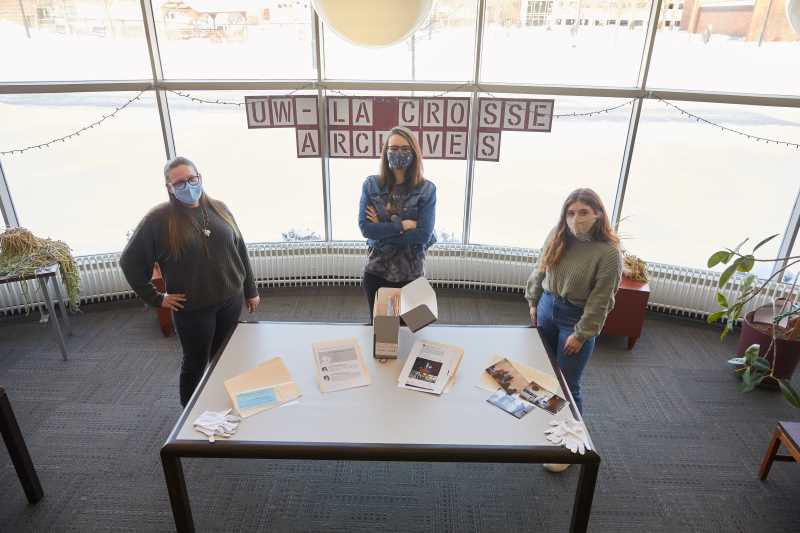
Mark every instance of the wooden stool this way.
pixel 788 434
pixel 164 314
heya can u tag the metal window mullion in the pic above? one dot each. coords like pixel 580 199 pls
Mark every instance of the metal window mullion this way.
pixel 636 112
pixel 322 114
pixel 789 235
pixel 157 70
pixel 9 212
pixel 627 159
pixel 472 139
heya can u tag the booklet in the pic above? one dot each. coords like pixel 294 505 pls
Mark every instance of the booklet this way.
pixel 511 404
pixel 340 365
pixel 430 367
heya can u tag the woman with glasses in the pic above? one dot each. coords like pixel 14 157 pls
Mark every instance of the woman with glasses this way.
pixel 203 260
pixel 572 289
pixel 396 215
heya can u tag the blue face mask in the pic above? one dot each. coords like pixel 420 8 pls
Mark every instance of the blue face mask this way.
pixel 399 159
pixel 190 194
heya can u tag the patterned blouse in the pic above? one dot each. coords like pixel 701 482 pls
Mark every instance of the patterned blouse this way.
pixel 396 264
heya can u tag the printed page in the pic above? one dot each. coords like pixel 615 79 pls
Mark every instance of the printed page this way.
pixel 430 366
pixel 340 365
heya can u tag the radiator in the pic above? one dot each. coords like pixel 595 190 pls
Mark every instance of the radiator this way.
pixel 674 289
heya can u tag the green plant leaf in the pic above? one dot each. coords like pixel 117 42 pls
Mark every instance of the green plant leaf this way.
pixel 747 283
pixel 746 263
pixel 726 275
pixel 752 350
pixel 739 246
pixel 761 364
pixel 747 380
pixel 765 241
pixel 789 393
pixel 725 330
pixel 722 256
pixel 721 300
pixel 713 317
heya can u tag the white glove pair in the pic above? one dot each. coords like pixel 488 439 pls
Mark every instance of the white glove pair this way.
pixel 217 424
pixel 569 433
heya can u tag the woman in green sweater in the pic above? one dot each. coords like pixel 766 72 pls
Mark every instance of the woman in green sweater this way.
pixel 572 288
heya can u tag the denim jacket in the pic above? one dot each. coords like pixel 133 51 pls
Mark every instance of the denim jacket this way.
pixel 420 206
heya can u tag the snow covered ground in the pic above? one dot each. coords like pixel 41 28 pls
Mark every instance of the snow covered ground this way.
pixel 692 188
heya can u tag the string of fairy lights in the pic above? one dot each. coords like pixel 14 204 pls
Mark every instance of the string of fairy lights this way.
pixel 105 117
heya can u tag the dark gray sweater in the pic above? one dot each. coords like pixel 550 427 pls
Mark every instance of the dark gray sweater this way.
pixel 210 270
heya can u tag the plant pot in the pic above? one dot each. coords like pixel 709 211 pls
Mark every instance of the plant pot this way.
pixel 787 350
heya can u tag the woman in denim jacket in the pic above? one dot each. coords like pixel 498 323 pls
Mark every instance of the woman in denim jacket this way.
pixel 396 214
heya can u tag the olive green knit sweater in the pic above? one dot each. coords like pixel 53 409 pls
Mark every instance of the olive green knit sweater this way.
pixel 587 275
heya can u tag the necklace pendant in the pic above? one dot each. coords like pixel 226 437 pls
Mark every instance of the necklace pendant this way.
pixel 207 232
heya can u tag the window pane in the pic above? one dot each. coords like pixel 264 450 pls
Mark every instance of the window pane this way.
pixel 242 39
pixel 518 199
pixel 75 40
pixel 348 175
pixel 694 189
pixel 570 42
pixel 273 194
pixel 91 190
pixel 726 46
pixel 442 50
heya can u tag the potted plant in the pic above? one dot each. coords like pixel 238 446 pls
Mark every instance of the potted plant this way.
pixel 770 352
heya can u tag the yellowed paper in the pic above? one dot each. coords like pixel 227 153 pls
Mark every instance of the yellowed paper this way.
pixel 272 373
pixel 488 383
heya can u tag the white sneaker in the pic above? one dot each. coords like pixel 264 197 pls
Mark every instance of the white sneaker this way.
pixel 556 467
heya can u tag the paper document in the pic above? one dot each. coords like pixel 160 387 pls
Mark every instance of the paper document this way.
pixel 546 380
pixel 266 386
pixel 430 367
pixel 340 365
pixel 518 394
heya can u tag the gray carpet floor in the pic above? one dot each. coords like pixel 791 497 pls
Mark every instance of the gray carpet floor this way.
pixel 680 444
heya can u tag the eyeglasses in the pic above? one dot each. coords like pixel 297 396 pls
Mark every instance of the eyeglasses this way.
pixel 405 149
pixel 191 180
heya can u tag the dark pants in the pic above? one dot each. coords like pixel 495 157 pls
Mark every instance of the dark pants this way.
pixel 202 332
pixel 371 283
pixel 557 318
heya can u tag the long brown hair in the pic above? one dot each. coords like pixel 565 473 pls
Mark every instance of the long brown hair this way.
pixel 180 227
pixel 562 238
pixel 414 177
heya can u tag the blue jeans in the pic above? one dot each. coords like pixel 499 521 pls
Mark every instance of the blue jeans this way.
pixel 556 318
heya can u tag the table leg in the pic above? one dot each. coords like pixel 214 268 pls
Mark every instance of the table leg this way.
pixel 583 498
pixel 178 497
pixel 632 342
pixel 53 318
pixel 64 306
pixel 18 451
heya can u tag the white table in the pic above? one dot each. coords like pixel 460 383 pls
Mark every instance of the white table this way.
pixel 378 422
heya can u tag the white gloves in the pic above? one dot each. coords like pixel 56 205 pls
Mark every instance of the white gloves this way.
pixel 217 423
pixel 570 433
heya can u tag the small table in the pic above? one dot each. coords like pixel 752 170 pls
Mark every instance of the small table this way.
pixel 42 277
pixel 374 422
pixel 788 434
pixel 18 451
pixel 630 305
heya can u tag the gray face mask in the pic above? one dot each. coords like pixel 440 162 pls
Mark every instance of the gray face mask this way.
pixel 581 226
